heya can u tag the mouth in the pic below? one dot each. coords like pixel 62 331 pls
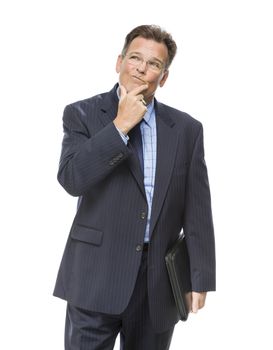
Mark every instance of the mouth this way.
pixel 140 79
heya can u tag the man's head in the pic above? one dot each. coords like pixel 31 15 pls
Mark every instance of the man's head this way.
pixel 155 33
pixel 146 56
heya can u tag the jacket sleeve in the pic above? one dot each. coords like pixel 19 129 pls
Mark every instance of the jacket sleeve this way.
pixel 87 159
pixel 198 224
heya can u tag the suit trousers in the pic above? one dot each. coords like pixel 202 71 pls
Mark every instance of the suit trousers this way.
pixel 87 330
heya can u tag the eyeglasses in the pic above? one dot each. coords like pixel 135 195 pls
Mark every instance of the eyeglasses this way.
pixel 137 60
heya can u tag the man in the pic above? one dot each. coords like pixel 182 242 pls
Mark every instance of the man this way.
pixel 138 168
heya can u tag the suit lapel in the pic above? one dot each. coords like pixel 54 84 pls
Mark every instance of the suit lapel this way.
pixel 167 140
pixel 109 106
pixel 109 109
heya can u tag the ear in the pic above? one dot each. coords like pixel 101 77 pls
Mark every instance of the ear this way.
pixel 164 78
pixel 119 62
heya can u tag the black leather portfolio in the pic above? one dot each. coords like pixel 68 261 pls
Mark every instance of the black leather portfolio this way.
pixel 177 261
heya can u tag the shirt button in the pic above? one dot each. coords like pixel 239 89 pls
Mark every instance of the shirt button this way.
pixel 143 215
pixel 139 248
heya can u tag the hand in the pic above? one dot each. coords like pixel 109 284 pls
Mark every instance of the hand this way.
pixel 197 301
pixel 130 109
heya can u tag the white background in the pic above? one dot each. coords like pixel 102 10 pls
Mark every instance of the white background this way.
pixel 56 52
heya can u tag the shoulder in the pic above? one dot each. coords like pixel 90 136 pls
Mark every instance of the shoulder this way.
pixel 87 103
pixel 87 110
pixel 179 118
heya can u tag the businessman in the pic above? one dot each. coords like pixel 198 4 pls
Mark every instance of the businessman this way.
pixel 138 168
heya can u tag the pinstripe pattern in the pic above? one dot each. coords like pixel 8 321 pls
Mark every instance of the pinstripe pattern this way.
pixel 102 256
pixel 87 330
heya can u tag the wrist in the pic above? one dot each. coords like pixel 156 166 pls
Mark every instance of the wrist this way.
pixel 121 127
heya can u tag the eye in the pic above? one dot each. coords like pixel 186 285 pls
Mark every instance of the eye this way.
pixel 154 64
pixel 135 58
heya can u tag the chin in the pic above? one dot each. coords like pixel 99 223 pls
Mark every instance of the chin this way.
pixel 130 86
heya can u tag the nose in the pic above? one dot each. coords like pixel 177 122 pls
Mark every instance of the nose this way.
pixel 142 67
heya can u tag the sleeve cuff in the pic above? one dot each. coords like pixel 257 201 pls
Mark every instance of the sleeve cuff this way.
pixel 124 137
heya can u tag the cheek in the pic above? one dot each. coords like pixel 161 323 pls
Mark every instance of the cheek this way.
pixel 154 79
pixel 153 84
pixel 126 70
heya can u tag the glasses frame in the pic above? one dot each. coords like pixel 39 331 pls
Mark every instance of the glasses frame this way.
pixel 136 60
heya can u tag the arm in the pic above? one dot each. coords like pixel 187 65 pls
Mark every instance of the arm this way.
pixel 86 160
pixel 198 226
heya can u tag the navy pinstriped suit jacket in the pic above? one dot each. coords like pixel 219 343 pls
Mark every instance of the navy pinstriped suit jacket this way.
pixel 102 255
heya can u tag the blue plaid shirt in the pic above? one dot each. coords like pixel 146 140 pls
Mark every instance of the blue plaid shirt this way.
pixel 148 132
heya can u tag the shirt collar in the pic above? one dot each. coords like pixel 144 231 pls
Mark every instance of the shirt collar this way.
pixel 148 114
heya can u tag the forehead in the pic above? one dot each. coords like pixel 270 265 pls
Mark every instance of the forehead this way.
pixel 149 48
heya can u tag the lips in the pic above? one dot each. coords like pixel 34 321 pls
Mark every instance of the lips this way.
pixel 140 79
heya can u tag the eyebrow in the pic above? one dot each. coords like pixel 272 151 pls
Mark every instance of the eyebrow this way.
pixel 152 58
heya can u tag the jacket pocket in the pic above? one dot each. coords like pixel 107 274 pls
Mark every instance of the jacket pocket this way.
pixel 87 234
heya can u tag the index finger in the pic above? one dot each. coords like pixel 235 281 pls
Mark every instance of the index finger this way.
pixel 136 91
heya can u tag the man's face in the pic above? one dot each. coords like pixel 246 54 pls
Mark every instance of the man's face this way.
pixel 144 62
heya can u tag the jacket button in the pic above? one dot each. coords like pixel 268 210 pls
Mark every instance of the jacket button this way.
pixel 143 215
pixel 139 248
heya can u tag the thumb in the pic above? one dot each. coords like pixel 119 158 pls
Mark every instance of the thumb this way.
pixel 123 91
